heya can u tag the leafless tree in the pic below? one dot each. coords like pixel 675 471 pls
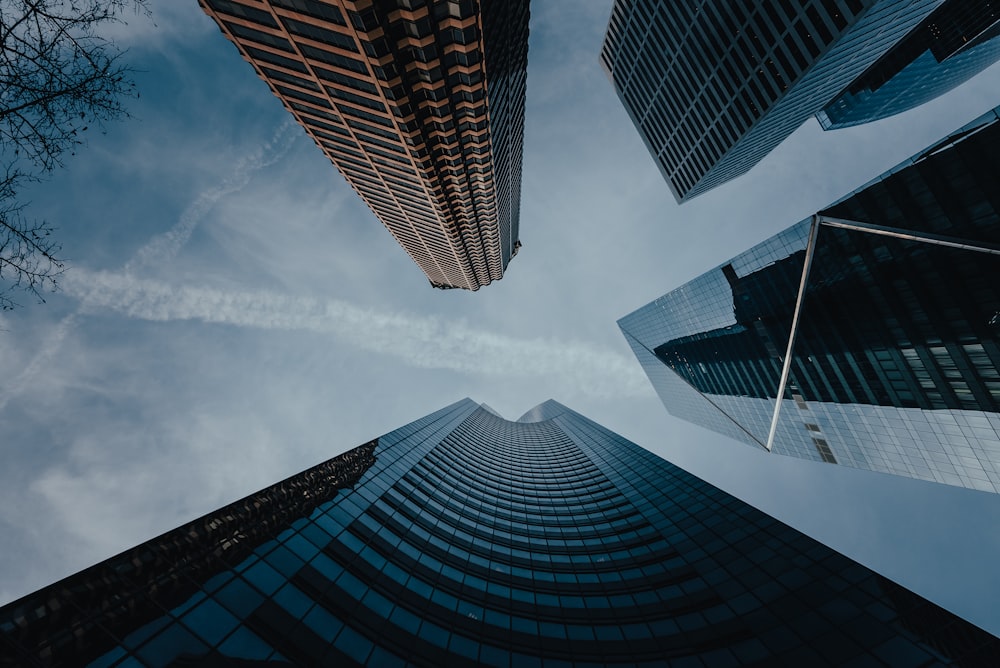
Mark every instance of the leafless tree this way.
pixel 28 252
pixel 58 76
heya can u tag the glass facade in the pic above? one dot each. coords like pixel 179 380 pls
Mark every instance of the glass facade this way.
pixel 954 44
pixel 466 539
pixel 713 87
pixel 868 335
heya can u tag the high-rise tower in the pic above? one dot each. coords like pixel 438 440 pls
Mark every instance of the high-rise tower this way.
pixel 714 86
pixel 868 335
pixel 956 42
pixel 466 539
pixel 419 104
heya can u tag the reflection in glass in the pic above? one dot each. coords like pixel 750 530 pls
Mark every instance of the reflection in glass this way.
pixel 895 358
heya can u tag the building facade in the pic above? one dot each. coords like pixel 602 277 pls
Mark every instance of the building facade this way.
pixel 466 539
pixel 868 335
pixel 712 87
pixel 956 42
pixel 419 104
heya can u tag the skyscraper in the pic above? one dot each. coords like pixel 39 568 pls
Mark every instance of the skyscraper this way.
pixel 714 86
pixel 466 539
pixel 956 42
pixel 868 335
pixel 419 104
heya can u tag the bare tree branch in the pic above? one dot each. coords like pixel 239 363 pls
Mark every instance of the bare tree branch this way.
pixel 58 77
pixel 28 252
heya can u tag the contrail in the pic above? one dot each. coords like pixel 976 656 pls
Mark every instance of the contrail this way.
pixel 166 245
pixel 160 248
pixel 421 341
pixel 50 346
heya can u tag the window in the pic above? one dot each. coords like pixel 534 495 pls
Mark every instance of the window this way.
pixel 319 34
pixel 320 10
pixel 242 11
pixel 259 36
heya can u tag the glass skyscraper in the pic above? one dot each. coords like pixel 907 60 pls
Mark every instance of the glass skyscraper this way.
pixel 419 104
pixel 714 86
pixel 466 539
pixel 956 42
pixel 868 335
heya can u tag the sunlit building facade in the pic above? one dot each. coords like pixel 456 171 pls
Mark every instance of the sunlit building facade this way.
pixel 868 335
pixel 419 104
pixel 713 87
pixel 466 539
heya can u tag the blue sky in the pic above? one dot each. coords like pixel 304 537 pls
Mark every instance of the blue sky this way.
pixel 232 313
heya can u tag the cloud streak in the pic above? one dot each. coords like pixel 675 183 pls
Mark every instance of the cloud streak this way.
pixel 160 249
pixel 165 246
pixel 421 341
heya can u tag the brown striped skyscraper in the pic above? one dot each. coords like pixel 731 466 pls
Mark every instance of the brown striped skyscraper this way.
pixel 419 104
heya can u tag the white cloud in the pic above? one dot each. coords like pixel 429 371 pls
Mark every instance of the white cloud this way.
pixel 166 22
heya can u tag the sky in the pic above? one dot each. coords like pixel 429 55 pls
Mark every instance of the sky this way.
pixel 232 313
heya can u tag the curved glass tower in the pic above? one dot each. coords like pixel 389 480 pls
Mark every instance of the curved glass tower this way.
pixel 467 539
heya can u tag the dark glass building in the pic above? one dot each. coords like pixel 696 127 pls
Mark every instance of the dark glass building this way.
pixel 954 44
pixel 868 335
pixel 419 104
pixel 714 86
pixel 466 539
